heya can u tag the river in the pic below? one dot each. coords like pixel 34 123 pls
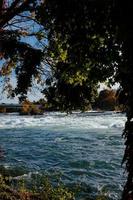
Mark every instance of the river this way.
pixel 86 149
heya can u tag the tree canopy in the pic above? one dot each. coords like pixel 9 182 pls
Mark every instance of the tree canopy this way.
pixel 79 47
pixel 19 56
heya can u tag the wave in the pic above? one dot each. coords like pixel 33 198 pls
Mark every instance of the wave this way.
pixel 88 120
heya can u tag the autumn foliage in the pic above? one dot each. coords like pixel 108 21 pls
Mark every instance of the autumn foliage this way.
pixel 29 108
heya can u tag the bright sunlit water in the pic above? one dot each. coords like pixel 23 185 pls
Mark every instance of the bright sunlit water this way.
pixel 85 149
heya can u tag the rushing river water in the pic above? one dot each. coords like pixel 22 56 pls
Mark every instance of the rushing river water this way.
pixel 86 149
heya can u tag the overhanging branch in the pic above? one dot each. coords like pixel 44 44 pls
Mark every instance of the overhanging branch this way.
pixel 13 11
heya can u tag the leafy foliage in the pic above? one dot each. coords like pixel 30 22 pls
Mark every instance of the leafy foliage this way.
pixel 8 192
pixel 29 108
pixel 106 100
pixel 82 49
pixel 17 55
pixel 88 41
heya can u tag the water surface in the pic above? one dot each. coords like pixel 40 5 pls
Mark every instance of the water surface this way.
pixel 85 148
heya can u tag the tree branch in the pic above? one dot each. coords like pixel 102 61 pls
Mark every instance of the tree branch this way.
pixel 13 11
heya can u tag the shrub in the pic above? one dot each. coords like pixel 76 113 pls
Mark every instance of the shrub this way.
pixel 21 192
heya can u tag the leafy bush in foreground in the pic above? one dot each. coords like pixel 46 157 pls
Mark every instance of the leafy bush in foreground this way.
pixel 46 192
pixel 15 186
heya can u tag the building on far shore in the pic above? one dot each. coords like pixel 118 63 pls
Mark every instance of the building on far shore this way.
pixel 9 108
pixel 26 108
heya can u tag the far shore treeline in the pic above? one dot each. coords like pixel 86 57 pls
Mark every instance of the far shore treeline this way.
pixel 106 100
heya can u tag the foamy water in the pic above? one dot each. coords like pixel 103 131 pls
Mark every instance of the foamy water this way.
pixel 86 148
pixel 76 120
